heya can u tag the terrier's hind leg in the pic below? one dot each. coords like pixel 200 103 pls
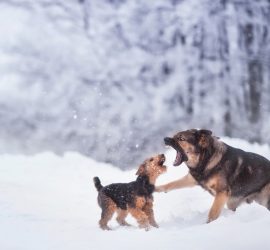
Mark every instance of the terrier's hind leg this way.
pixel 108 208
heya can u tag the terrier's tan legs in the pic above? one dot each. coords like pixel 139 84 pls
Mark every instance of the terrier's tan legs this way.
pixel 108 208
pixel 121 216
pixel 141 217
pixel 148 209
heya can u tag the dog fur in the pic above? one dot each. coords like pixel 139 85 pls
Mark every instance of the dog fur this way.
pixel 231 175
pixel 135 197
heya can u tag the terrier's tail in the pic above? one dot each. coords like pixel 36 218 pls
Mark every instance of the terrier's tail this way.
pixel 97 183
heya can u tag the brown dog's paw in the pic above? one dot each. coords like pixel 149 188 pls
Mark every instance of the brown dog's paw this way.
pixel 208 221
pixel 211 218
pixel 160 189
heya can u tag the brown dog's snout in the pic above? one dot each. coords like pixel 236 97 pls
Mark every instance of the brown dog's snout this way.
pixel 168 140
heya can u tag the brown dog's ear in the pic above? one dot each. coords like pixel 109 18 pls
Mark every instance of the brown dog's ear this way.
pixel 205 131
pixel 205 138
pixel 141 170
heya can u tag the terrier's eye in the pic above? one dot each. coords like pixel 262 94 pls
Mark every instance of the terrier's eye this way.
pixel 151 159
pixel 181 138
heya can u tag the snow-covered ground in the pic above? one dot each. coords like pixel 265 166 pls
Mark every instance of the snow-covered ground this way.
pixel 48 202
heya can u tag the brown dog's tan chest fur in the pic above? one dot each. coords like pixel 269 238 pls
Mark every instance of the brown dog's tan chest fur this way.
pixel 215 184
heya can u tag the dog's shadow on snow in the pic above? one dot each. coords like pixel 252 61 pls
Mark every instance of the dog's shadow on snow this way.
pixel 184 222
pixel 193 219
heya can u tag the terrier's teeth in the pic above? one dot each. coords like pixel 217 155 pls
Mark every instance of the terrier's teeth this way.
pixel 166 146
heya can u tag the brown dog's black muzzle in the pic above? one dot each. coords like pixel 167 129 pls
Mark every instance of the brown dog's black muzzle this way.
pixel 168 141
pixel 171 142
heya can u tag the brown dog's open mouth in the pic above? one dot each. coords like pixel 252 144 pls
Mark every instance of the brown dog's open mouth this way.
pixel 180 155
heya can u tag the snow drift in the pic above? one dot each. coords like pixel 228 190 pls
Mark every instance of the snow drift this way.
pixel 49 202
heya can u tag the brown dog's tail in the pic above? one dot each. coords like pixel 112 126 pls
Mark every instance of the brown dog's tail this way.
pixel 97 183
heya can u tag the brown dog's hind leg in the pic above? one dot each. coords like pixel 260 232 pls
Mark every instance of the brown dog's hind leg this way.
pixel 263 197
pixel 268 204
pixel 121 216
pixel 148 209
pixel 220 199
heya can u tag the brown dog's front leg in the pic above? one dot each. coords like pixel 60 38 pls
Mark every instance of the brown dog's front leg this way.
pixel 220 199
pixel 186 181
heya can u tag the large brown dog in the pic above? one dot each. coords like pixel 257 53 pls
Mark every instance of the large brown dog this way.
pixel 134 197
pixel 231 175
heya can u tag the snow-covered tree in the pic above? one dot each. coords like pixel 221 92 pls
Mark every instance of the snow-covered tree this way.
pixel 111 78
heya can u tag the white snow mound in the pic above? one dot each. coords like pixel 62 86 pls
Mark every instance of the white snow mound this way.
pixel 49 203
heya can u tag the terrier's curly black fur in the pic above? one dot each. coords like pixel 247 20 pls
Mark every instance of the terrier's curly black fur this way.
pixel 123 194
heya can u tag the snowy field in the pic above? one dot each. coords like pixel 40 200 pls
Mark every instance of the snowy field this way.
pixel 49 203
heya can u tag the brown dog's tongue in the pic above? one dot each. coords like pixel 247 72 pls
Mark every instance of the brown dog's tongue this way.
pixel 178 159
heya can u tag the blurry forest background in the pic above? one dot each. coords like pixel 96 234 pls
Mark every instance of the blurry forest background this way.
pixel 111 78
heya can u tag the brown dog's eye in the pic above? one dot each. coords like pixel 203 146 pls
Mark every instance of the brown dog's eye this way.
pixel 151 159
pixel 181 138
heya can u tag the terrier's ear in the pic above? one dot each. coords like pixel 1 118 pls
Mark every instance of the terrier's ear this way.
pixel 141 170
pixel 205 138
